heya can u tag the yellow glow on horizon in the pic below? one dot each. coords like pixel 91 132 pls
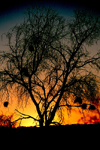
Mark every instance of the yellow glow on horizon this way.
pixel 68 118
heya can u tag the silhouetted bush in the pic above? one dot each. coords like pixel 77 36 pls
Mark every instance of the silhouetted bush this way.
pixel 5 121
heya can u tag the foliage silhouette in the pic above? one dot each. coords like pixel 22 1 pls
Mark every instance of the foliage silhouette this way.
pixel 48 60
pixel 6 121
pixel 5 104
pixel 92 107
pixel 78 100
pixel 84 106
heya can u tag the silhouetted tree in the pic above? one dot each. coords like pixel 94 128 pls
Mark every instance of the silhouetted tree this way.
pixel 48 59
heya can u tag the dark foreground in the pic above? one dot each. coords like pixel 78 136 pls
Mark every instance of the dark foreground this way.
pixel 60 136
pixel 69 129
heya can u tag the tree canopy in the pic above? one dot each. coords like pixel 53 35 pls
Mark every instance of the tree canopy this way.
pixel 48 59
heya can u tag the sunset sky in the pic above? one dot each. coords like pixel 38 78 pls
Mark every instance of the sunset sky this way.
pixel 12 14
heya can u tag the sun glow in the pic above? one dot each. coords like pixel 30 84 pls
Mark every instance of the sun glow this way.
pixel 73 116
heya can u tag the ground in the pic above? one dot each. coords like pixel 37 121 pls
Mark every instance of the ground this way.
pixel 90 128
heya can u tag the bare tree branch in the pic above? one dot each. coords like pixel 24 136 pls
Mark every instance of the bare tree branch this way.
pixel 26 117
pixel 46 57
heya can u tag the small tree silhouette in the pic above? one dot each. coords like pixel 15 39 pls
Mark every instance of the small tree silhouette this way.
pixel 6 121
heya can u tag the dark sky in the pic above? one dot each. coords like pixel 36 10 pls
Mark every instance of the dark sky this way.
pixel 17 4
pixel 8 7
pixel 11 12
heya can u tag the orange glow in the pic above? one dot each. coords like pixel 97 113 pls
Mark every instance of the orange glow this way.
pixel 75 116
pixel 6 121
pixel 92 120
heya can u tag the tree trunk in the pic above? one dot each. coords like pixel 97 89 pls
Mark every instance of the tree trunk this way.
pixel 47 124
pixel 41 122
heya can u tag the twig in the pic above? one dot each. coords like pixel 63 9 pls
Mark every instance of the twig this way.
pixel 27 116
